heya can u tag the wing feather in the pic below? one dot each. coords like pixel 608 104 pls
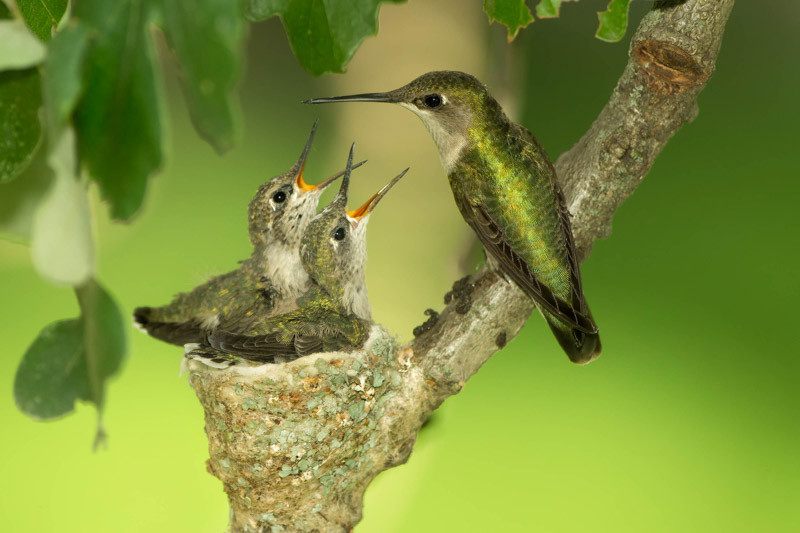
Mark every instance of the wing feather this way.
pixel 493 238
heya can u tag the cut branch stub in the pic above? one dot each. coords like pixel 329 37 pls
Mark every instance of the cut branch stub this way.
pixel 667 68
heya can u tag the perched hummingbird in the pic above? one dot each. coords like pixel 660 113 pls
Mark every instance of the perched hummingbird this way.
pixel 334 314
pixel 266 283
pixel 505 187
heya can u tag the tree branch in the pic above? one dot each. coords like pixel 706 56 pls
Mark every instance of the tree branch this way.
pixel 297 444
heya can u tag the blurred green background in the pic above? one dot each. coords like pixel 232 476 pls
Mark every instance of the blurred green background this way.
pixel 689 420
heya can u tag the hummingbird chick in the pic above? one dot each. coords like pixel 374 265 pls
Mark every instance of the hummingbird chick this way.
pixel 266 283
pixel 334 314
pixel 506 189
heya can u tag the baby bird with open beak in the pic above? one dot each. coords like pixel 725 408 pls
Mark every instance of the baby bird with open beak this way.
pixel 268 282
pixel 335 313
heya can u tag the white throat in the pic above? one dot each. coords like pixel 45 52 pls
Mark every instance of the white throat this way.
pixel 284 269
pixel 450 143
pixel 355 296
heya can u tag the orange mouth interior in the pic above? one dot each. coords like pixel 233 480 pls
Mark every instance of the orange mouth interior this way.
pixel 301 183
pixel 364 210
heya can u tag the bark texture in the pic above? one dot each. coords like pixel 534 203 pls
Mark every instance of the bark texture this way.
pixel 296 444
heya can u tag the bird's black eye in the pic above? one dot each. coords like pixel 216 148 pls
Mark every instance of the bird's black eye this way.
pixel 339 235
pixel 279 197
pixel 433 101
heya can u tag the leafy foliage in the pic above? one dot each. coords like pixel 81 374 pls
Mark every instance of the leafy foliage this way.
pixel 207 42
pixel 42 16
pixel 117 119
pixel 324 34
pixel 70 359
pixel 550 8
pixel 613 21
pixel 513 13
pixel 20 98
pixel 62 247
pixel 52 374
pixel 62 83
pixel 100 91
pixel 104 337
pixel 20 48
pixel 21 198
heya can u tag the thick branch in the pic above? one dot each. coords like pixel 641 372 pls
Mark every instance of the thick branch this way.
pixel 297 444
pixel 672 56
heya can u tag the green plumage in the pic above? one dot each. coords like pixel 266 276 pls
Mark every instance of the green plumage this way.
pixel 520 214
pixel 230 301
pixel 319 325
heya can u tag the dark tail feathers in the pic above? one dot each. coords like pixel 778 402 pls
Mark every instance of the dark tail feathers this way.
pixel 178 333
pixel 580 347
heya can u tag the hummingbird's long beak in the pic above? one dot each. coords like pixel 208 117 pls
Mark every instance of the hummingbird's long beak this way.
pixel 365 97
pixel 301 163
pixel 341 196
pixel 362 212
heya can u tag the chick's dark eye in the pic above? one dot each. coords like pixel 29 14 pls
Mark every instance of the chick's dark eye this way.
pixel 339 235
pixel 279 197
pixel 433 101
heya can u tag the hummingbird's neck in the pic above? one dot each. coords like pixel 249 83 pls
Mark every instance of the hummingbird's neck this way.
pixel 463 127
pixel 354 282
pixel 281 264
pixel 449 133
pixel 344 278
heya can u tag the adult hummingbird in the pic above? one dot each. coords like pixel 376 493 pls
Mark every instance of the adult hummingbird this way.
pixel 334 314
pixel 506 189
pixel 266 283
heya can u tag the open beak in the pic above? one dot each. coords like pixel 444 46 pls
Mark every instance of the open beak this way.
pixel 301 163
pixel 366 97
pixel 362 212
pixel 340 200
pixel 305 187
pixel 300 183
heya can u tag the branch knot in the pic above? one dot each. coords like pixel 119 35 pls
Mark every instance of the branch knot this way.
pixel 667 68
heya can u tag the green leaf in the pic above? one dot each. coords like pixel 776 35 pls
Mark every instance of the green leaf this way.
pixel 513 13
pixel 4 11
pixel 52 374
pixel 20 199
pixel 42 16
pixel 62 247
pixel 550 8
pixel 62 82
pixel 324 34
pixel 206 36
pixel 20 130
pixel 20 49
pixel 264 9
pixel 72 359
pixel 119 131
pixel 104 336
pixel 613 21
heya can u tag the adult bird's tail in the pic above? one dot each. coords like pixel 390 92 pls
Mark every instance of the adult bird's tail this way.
pixel 581 347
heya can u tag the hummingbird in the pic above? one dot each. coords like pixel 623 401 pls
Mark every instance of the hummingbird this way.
pixel 334 314
pixel 266 283
pixel 505 187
